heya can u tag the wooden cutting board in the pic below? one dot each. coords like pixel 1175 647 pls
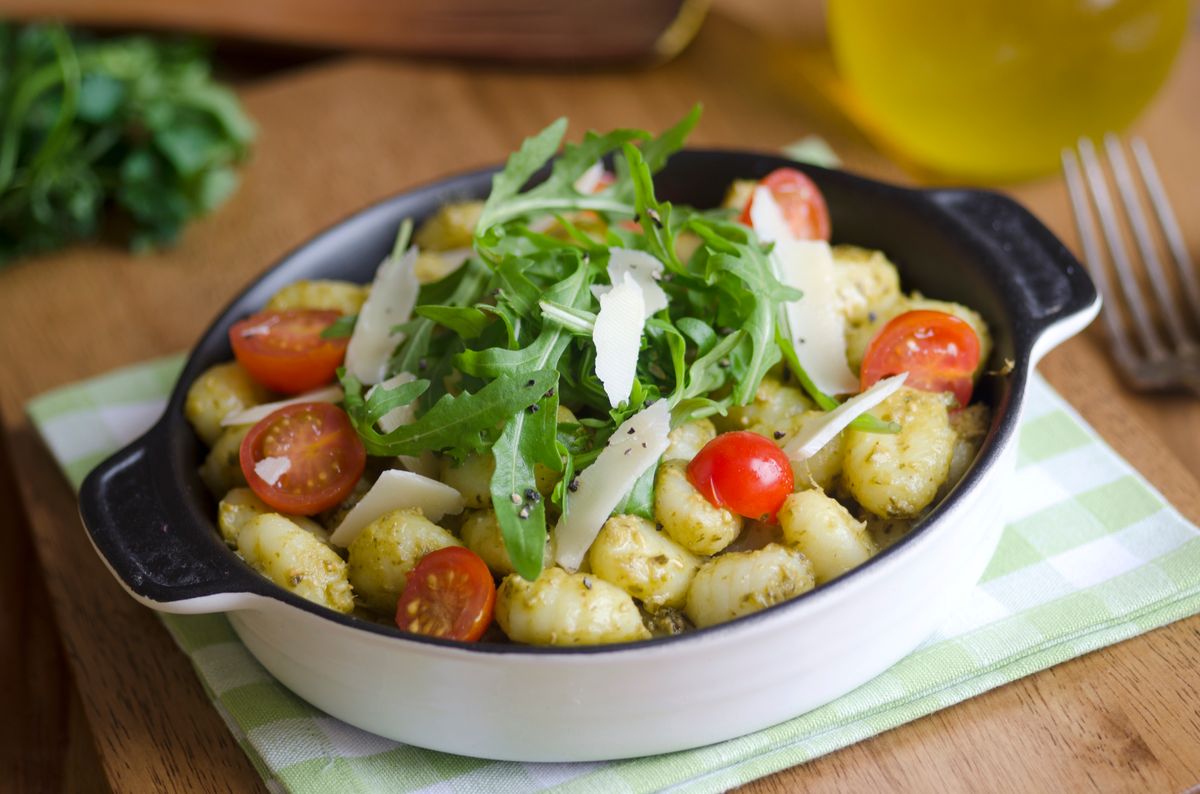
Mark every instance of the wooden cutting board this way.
pixel 576 32
pixel 338 136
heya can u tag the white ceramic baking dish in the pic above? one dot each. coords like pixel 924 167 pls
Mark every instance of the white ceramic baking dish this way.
pixel 152 520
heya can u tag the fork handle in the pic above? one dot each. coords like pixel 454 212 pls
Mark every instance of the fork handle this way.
pixel 1054 294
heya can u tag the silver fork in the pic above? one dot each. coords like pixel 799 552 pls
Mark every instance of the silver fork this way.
pixel 1148 360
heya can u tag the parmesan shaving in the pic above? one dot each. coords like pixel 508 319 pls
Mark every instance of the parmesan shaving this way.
pixel 632 449
pixel 819 432
pixel 255 414
pixel 390 303
pixel 269 470
pixel 397 416
pixel 645 269
pixel 590 179
pixel 816 327
pixel 398 490
pixel 618 337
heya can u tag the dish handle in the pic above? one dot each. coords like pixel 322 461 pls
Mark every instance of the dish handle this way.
pixel 1055 291
pixel 134 524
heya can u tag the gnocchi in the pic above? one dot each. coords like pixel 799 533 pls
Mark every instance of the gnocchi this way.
pixel 687 517
pixel 642 561
pixel 742 582
pixel 386 550
pixel 561 608
pixel 296 560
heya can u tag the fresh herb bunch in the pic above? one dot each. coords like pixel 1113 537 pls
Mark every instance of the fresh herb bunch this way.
pixel 128 124
pixel 502 342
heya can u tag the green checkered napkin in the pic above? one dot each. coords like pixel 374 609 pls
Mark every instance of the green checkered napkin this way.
pixel 1091 555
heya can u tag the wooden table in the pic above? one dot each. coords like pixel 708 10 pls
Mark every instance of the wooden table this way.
pixel 98 695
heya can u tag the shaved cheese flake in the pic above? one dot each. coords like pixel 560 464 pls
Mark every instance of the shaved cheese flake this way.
pixel 397 416
pixel 766 217
pixel 817 434
pixel 255 414
pixel 269 470
pixel 590 179
pixel 398 490
pixel 646 271
pixel 425 465
pixel 817 328
pixel 390 303
pixel 632 449
pixel 618 337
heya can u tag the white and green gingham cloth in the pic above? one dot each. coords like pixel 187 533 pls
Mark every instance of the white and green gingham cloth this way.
pixel 1091 555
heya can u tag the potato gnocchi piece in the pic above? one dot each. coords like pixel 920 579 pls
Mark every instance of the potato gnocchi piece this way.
pixel 472 478
pixel 219 391
pixel 240 505
pixel 688 439
pixel 481 534
pixel 636 557
pixel 822 469
pixel 738 195
pixel 452 226
pixel 866 282
pixel 296 560
pixel 821 529
pixel 773 405
pixel 691 520
pixel 387 549
pixel 434 266
pixel 339 296
pixel 898 475
pixel 222 470
pixel 563 608
pixel 742 582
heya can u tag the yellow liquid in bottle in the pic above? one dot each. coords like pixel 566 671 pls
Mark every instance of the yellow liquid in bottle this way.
pixel 993 89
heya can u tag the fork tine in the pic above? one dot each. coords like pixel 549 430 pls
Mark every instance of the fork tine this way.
pixel 1167 222
pixel 1092 255
pixel 1151 342
pixel 1141 234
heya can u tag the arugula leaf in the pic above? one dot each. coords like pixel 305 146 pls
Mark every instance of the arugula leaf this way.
pixel 341 328
pixel 528 438
pixel 557 193
pixel 548 347
pixel 457 424
pixel 466 321
pixel 640 499
pixel 125 125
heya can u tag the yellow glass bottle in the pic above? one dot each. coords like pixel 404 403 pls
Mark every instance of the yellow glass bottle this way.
pixel 991 90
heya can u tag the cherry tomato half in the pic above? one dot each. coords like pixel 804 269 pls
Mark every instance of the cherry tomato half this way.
pixel 799 199
pixel 449 594
pixel 743 472
pixel 324 455
pixel 940 352
pixel 284 350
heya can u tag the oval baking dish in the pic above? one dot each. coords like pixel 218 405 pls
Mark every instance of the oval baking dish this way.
pixel 151 518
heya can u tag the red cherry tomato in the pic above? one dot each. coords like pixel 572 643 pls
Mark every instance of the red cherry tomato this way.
pixel 802 204
pixel 284 350
pixel 743 472
pixel 324 455
pixel 940 352
pixel 449 594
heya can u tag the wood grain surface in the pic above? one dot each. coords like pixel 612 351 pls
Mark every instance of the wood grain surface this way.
pixel 576 32
pixel 336 137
